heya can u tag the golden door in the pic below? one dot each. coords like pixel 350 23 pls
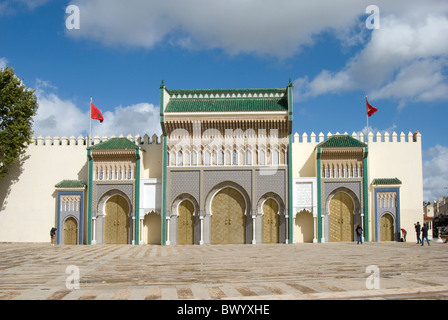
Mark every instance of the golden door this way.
pixel 270 221
pixel 185 223
pixel 70 231
pixel 387 227
pixel 341 218
pixel 228 219
pixel 116 222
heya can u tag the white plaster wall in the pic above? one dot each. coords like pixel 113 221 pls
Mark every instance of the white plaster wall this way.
pixel 404 161
pixel 28 208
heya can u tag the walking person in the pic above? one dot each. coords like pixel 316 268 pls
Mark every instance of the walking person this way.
pixel 417 230
pixel 53 235
pixel 359 233
pixel 425 234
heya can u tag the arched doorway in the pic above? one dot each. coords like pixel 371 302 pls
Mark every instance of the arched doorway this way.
pixel 228 221
pixel 185 223
pixel 270 221
pixel 116 222
pixel 304 227
pixel 387 227
pixel 341 217
pixel 70 231
pixel 152 224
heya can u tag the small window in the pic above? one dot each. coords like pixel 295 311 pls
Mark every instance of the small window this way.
pixel 180 159
pixel 235 158
pixel 275 158
pixel 194 158
pixel 248 158
pixel 261 158
pixel 207 158
pixel 220 157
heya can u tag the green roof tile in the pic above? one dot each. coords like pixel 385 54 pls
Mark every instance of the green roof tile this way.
pixel 71 184
pixel 341 141
pixel 115 143
pixel 386 181
pixel 226 105
pixel 212 100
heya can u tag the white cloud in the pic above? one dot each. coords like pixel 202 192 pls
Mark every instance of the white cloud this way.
pixel 421 80
pixel 141 118
pixel 3 63
pixel 435 172
pixel 56 116
pixel 63 117
pixel 403 60
pixel 276 28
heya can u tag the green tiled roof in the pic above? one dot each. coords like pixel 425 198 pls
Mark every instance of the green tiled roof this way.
pixel 234 100
pixel 230 91
pixel 386 181
pixel 115 143
pixel 341 141
pixel 71 184
pixel 229 105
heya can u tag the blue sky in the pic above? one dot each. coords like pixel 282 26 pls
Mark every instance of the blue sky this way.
pixel 124 49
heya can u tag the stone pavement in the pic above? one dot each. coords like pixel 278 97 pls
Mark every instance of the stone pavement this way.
pixel 219 272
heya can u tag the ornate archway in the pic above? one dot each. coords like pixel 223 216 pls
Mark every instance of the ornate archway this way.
pixel 387 227
pixel 270 221
pixel 116 225
pixel 70 231
pixel 341 217
pixel 228 219
pixel 185 223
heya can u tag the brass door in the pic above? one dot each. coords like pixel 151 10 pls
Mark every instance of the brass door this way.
pixel 228 219
pixel 70 231
pixel 185 223
pixel 116 222
pixel 341 218
pixel 270 221
pixel 387 227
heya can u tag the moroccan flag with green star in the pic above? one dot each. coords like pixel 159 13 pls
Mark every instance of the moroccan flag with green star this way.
pixel 95 113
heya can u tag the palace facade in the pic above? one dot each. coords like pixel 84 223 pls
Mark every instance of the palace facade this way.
pixel 226 169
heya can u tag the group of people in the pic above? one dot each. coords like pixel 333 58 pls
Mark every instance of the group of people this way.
pixel 418 229
pixel 424 231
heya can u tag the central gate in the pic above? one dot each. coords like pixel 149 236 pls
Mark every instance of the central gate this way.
pixel 341 217
pixel 116 222
pixel 228 223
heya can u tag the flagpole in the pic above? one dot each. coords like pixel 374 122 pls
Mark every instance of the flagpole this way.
pixel 367 128
pixel 90 125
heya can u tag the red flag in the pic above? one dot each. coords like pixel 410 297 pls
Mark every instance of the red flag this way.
pixel 370 110
pixel 95 113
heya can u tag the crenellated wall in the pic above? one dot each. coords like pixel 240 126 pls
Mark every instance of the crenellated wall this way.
pixel 83 141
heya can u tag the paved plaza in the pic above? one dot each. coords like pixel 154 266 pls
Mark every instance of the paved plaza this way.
pixel 387 270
